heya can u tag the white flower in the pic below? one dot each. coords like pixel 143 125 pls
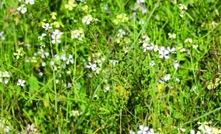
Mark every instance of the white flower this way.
pixel 52 63
pixel 47 26
pixel 194 89
pixel 21 82
pixel 77 34
pixel 114 62
pixel 63 57
pixel 121 33
pixel 43 64
pixel 28 45
pixel 182 14
pixel 151 131
pixel 106 89
pixel 144 39
pixel 205 128
pixel 192 131
pixel 172 35
pixel 6 81
pixel 214 24
pixel 149 46
pixel 176 64
pixel 140 1
pixel 30 128
pixel 4 74
pixel 56 35
pixel 146 46
pixel 93 66
pixel 155 48
pixel 188 40
pixel 164 53
pixel 182 7
pixel 41 73
pixel 141 22
pixel 44 54
pixel 152 63
pixel 29 2
pixel 87 19
pixel 70 60
pixel 182 49
pixel 131 132
pixel 143 130
pixel 2 35
pixel 195 46
pixel 57 57
pixel 167 77
pixel 6 129
pixel 42 36
pixel 171 50
pixel 22 9
pixel 144 10
pixel 178 80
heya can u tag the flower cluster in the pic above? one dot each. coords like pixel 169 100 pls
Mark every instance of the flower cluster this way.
pixel 77 34
pixel 121 37
pixel 149 46
pixel 4 77
pixel 56 35
pixel 88 19
pixel 143 130
pixel 182 8
pixel 22 8
pixel 121 18
pixel 96 64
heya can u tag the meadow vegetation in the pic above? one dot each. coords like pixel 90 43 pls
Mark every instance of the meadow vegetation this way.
pixel 110 67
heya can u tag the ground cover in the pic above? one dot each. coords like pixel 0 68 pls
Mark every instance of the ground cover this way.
pixel 102 66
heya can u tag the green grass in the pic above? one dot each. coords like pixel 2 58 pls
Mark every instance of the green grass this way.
pixel 154 64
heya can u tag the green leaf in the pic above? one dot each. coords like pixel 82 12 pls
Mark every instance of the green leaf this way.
pixel 180 56
pixel 33 83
